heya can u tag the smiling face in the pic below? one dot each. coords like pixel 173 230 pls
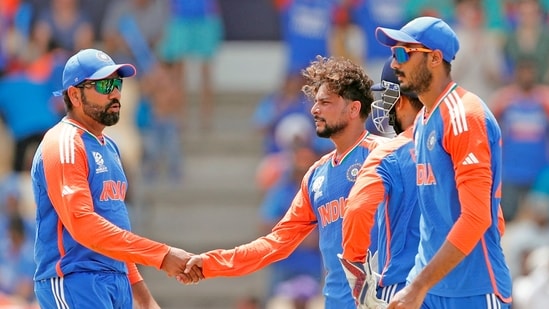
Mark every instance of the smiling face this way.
pixel 330 112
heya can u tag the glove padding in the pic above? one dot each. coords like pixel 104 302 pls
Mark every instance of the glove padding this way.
pixel 363 283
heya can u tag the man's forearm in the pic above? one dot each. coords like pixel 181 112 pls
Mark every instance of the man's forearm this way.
pixel 446 259
pixel 142 297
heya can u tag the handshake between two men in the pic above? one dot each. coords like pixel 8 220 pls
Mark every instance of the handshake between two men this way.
pixel 187 269
pixel 184 266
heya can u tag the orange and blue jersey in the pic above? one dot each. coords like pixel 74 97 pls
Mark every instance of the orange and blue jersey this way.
pixel 385 198
pixel 458 152
pixel 319 203
pixel 82 222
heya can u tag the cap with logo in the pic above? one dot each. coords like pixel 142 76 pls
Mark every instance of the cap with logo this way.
pixel 430 32
pixel 91 64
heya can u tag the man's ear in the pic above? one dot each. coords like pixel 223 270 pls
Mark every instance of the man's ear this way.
pixel 403 100
pixel 436 57
pixel 74 95
pixel 355 108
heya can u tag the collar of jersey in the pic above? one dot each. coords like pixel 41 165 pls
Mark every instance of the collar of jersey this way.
pixel 75 123
pixel 449 89
pixel 358 142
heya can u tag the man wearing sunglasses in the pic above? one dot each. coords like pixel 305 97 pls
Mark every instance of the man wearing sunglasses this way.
pixel 384 197
pixel 86 254
pixel 460 263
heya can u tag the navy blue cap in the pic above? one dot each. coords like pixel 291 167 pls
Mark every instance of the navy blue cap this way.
pixel 387 75
pixel 430 32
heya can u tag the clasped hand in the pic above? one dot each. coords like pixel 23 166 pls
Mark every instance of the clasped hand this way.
pixel 184 266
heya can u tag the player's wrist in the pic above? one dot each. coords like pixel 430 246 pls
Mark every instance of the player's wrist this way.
pixel 419 287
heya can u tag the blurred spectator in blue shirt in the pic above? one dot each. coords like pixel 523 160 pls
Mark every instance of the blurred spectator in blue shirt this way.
pixel 17 263
pixel 306 27
pixel 28 106
pixel 529 37
pixel 522 110
pixel 65 23
pixel 298 277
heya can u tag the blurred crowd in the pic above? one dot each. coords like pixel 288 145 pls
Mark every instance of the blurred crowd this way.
pixel 502 58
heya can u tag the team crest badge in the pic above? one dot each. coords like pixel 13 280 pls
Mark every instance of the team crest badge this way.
pixel 103 57
pixel 431 140
pixel 352 172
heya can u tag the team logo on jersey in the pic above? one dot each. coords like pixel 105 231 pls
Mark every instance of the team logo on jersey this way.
pixel 101 168
pixel 352 172
pixel 316 187
pixel 431 140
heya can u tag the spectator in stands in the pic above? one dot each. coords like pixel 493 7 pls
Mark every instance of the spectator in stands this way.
pixel 132 29
pixel 529 37
pixel 31 89
pixel 306 26
pixel 368 15
pixel 16 263
pixel 479 65
pixel 522 110
pixel 529 231
pixel 275 106
pixel 16 246
pixel 194 30
pixel 304 266
pixel 15 19
pixel 160 127
pixel 66 24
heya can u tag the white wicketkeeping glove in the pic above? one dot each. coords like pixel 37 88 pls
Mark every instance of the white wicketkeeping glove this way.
pixel 374 266
pixel 363 283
